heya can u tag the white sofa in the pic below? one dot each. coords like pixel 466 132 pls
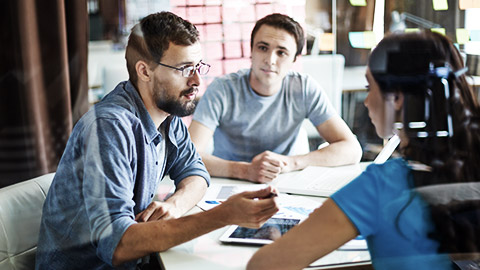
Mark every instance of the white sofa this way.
pixel 20 214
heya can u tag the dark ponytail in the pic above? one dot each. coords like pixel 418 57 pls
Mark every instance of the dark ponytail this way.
pixel 407 63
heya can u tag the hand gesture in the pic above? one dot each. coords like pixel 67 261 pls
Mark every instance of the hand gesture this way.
pixel 250 209
pixel 157 210
pixel 265 167
pixel 286 161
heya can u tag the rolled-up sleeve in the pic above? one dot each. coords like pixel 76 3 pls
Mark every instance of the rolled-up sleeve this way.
pixel 186 160
pixel 108 195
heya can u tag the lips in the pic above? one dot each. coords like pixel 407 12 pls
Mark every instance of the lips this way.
pixel 267 70
pixel 190 93
pixel 191 96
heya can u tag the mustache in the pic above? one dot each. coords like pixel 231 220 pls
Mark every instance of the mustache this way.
pixel 188 91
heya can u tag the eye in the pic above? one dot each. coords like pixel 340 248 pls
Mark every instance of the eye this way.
pixel 282 53
pixel 187 71
pixel 187 67
pixel 262 48
pixel 367 87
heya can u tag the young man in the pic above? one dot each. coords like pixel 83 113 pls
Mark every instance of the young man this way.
pixel 255 115
pixel 99 211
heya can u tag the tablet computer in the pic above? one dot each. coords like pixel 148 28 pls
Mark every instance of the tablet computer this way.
pixel 271 230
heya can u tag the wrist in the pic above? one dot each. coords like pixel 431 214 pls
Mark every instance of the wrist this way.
pixel 294 160
pixel 221 214
pixel 239 170
pixel 297 163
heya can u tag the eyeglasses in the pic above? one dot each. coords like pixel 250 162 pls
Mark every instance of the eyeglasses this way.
pixel 188 71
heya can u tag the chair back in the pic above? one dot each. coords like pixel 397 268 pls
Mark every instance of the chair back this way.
pixel 327 70
pixel 20 215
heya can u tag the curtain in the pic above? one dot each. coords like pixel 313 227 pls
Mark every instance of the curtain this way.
pixel 43 83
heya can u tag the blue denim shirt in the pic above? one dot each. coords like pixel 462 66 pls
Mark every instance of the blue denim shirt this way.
pixel 107 174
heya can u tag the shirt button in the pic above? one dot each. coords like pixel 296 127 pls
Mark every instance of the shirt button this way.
pixel 151 195
pixel 156 162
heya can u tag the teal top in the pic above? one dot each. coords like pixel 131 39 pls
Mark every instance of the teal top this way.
pixel 392 217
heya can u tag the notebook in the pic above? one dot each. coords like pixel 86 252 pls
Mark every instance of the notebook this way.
pixel 324 181
pixel 318 181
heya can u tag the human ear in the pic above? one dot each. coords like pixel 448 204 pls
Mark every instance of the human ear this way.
pixel 398 100
pixel 144 72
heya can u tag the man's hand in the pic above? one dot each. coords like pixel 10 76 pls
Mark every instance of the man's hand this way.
pixel 264 167
pixel 286 161
pixel 250 209
pixel 158 210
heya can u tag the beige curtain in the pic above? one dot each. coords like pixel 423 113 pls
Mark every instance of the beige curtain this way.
pixel 43 83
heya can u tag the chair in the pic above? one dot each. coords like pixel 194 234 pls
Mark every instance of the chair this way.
pixel 113 75
pixel 327 70
pixel 20 214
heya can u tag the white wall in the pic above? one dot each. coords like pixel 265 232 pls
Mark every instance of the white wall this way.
pixel 106 67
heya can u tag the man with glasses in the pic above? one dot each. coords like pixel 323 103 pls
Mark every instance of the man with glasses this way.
pixel 99 213
pixel 255 115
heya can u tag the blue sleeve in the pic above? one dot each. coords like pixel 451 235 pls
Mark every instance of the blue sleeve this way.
pixel 188 162
pixel 211 105
pixel 319 107
pixel 359 200
pixel 108 182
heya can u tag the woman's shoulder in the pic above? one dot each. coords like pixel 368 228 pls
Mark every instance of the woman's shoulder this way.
pixel 390 166
pixel 392 173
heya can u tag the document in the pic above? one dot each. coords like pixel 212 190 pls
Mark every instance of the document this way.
pixel 291 207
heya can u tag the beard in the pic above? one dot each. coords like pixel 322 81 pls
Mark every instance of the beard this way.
pixel 173 105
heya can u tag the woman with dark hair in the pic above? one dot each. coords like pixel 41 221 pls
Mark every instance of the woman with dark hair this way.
pixel 417 211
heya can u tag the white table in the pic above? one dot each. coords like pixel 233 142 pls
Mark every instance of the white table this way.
pixel 207 252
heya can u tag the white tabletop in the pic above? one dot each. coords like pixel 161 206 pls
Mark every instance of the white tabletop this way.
pixel 207 252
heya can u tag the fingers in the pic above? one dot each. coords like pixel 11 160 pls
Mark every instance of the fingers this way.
pixel 266 205
pixel 266 209
pixel 265 179
pixel 261 193
pixel 272 165
pixel 265 167
pixel 250 208
pixel 160 213
pixel 265 172
pixel 154 211
pixel 145 214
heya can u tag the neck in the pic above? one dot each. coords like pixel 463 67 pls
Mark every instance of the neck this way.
pixel 157 115
pixel 264 89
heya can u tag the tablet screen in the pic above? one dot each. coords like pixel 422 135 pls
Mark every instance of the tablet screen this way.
pixel 271 230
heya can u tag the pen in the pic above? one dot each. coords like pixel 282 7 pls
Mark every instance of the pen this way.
pixel 271 195
pixel 213 202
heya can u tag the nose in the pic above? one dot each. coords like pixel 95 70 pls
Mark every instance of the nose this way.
pixel 195 80
pixel 270 58
pixel 365 102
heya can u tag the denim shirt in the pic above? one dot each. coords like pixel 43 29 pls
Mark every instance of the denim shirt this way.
pixel 108 174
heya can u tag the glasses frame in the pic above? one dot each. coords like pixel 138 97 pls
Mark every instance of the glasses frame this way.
pixel 185 69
